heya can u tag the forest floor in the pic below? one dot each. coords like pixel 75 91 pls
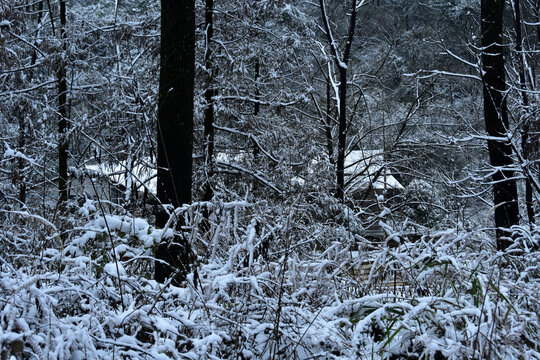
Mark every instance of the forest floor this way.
pixel 319 293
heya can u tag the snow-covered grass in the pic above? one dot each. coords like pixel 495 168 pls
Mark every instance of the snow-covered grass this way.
pixel 445 296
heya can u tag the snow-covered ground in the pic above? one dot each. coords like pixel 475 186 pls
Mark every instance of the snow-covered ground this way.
pixel 456 298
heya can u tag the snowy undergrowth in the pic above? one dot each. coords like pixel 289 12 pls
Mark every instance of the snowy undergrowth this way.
pixel 445 296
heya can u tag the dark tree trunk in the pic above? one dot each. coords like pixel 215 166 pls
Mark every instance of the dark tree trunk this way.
pixel 256 107
pixel 208 96
pixel 526 122
pixel 63 141
pixel 256 112
pixel 38 20
pixel 537 10
pixel 175 128
pixel 342 134
pixel 534 130
pixel 20 163
pixel 496 119
pixel 340 61
pixel 328 123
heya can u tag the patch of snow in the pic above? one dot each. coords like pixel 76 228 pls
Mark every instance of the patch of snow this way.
pixel 110 269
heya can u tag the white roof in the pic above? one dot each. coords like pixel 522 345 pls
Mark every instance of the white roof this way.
pixel 141 173
pixel 297 181
pixel 358 160
pixel 229 158
pixel 361 166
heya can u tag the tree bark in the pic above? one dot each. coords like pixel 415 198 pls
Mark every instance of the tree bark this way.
pixel 328 123
pixel 525 146
pixel 341 61
pixel 256 107
pixel 496 120
pixel 63 141
pixel 175 129
pixel 342 134
pixel 208 96
pixel 256 112
pixel 21 196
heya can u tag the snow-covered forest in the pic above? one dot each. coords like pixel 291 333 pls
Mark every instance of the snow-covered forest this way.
pixel 269 179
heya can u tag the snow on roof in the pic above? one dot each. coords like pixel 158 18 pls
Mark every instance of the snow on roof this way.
pixel 141 173
pixel 357 161
pixel 297 181
pixel 361 166
pixel 228 158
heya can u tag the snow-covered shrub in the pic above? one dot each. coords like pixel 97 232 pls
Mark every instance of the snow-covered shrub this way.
pixel 422 203
pixel 453 297
pixel 445 296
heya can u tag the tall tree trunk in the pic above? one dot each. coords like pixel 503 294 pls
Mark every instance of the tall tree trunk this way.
pixel 34 53
pixel 328 122
pixel 256 112
pixel 208 96
pixel 526 122
pixel 63 141
pixel 340 60
pixel 256 107
pixel 342 134
pixel 175 129
pixel 537 11
pixel 496 120
pixel 21 196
